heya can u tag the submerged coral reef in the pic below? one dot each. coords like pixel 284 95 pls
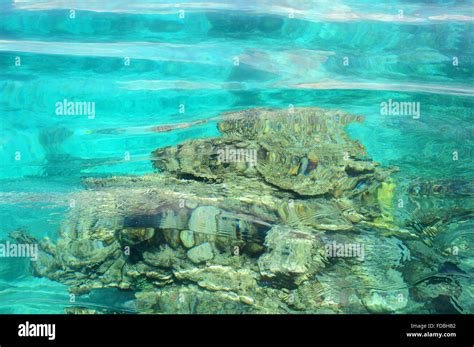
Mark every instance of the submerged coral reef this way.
pixel 283 212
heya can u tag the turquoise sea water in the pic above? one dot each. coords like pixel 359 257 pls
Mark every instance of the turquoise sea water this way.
pixel 151 63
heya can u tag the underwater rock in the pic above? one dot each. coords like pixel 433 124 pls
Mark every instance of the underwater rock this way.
pixel 164 257
pixel 201 253
pixel 208 159
pixel 204 220
pixel 464 301
pixel 318 213
pixel 142 275
pixel 133 236
pixel 85 253
pixel 383 287
pixel 292 255
pixel 172 237
pixel 216 277
pixel 303 126
pixel 389 300
pixel 187 238
pixel 307 152
pixel 190 299
pixel 325 296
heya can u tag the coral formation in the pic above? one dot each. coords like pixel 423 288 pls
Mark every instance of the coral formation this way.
pixel 242 223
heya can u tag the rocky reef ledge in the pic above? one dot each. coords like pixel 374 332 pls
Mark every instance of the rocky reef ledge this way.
pixel 246 222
